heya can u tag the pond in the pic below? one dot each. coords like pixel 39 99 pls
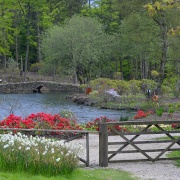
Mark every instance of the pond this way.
pixel 53 103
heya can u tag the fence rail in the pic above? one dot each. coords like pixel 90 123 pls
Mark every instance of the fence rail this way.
pixel 129 139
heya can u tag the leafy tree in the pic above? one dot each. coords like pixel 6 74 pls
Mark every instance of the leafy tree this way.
pixel 62 9
pixel 158 11
pixel 139 44
pixel 6 38
pixel 54 47
pixel 30 19
pixel 106 13
pixel 78 46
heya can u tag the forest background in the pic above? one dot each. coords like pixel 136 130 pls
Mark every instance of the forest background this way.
pixel 86 39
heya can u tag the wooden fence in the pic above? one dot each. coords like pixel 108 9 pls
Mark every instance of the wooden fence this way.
pixel 57 134
pixel 146 148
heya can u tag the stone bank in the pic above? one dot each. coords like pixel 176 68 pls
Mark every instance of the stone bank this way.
pixel 39 86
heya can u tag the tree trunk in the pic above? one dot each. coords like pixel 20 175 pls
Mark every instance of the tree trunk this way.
pixel 27 43
pixel 16 44
pixel 39 41
pixel 163 27
pixel 54 72
pixel 121 68
pixel 136 69
pixel 75 78
pixel 141 65
pixel 4 62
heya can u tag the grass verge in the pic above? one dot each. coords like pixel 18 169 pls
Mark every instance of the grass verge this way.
pixel 174 153
pixel 78 174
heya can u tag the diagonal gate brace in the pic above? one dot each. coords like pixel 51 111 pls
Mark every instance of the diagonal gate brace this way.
pixel 126 144
pixel 132 144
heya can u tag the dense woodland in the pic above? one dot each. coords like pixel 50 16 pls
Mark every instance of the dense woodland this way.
pixel 87 39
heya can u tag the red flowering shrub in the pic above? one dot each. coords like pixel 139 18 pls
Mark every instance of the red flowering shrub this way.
pixel 175 126
pixel 94 125
pixel 39 121
pixel 27 124
pixel 11 121
pixel 140 114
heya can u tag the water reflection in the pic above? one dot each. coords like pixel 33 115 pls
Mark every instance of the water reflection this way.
pixel 25 104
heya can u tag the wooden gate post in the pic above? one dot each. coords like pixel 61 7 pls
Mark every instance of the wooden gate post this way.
pixel 103 144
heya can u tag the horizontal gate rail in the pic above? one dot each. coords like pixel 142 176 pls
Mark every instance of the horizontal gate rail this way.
pixel 128 139
pixel 47 133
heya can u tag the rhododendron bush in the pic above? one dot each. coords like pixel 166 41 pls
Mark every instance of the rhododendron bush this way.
pixel 40 121
pixel 141 114
pixel 94 125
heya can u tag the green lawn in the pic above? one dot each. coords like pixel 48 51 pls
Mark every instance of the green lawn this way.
pixel 78 174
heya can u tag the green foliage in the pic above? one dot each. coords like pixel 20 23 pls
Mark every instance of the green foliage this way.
pixel 37 155
pixel 173 155
pixel 171 82
pixel 135 86
pixel 148 84
pixel 92 40
pixel 94 94
pixel 35 67
pixel 122 87
pixel 159 111
pixel 117 75
pixel 154 74
pixel 124 118
pixel 107 14
pixel 6 26
pixel 171 110
pixel 173 85
pixel 12 65
pixel 166 89
pixel 78 174
pixel 78 46
pixel 127 87
pixel 146 105
pixel 68 115
pixel 103 84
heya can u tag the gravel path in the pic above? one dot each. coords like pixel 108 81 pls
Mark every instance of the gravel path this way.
pixel 159 170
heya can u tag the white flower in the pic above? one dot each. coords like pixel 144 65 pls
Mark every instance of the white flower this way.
pixel 58 159
pixel 28 148
pixel 52 150
pixel 5 146
pixel 44 153
pixel 19 147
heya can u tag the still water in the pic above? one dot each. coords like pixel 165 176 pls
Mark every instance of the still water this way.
pixel 25 104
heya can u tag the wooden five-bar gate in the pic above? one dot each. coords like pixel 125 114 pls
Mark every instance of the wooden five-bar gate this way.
pixel 128 142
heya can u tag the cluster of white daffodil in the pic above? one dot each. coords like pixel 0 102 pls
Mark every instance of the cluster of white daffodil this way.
pixel 38 151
